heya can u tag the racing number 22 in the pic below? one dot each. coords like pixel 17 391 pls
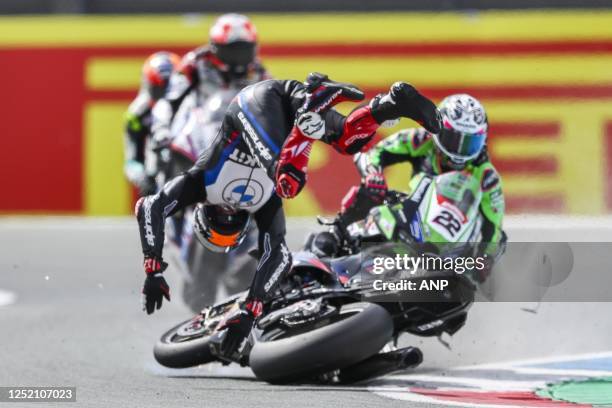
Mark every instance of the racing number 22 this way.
pixel 448 221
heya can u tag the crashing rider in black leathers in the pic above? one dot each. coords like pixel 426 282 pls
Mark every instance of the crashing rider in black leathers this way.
pixel 259 156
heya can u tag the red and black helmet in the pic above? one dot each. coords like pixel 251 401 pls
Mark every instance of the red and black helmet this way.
pixel 233 41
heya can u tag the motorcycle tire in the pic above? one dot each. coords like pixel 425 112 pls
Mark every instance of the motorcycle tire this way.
pixel 359 332
pixel 176 351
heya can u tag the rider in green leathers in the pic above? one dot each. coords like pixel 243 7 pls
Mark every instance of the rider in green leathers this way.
pixel 460 146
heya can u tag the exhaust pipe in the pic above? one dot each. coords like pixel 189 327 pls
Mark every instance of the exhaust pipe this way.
pixel 381 364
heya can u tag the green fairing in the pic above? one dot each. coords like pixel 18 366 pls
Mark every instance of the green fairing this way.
pixel 385 220
pixel 414 143
pixel 492 203
pixel 463 189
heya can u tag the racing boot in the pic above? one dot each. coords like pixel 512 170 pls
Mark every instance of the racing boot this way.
pixel 403 100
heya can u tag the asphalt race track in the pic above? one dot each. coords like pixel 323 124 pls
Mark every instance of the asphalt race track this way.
pixel 70 316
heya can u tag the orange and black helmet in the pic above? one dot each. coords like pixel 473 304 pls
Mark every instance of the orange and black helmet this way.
pixel 156 72
pixel 220 229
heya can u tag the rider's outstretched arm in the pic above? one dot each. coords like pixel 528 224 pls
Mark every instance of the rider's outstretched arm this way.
pixel 151 212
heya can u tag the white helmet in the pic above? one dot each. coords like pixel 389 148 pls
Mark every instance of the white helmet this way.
pixel 464 128
pixel 233 40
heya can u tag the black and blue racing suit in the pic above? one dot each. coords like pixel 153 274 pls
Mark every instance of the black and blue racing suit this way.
pixel 237 170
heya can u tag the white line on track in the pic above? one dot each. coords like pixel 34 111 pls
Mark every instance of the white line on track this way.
pixel 7 298
pixel 481 383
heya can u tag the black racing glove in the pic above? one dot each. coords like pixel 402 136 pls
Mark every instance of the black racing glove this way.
pixel 155 287
pixel 239 325
pixel 403 100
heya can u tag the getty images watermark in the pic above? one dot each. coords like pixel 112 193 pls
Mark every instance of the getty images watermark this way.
pixel 522 272
pixel 404 268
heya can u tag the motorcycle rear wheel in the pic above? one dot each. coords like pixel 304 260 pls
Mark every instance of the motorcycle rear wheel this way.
pixel 359 331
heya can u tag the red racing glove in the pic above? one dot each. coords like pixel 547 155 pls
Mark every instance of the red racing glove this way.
pixel 293 163
pixel 155 287
pixel 375 184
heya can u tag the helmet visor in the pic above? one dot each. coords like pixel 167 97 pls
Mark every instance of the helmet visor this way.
pixel 223 240
pixel 460 146
pixel 240 53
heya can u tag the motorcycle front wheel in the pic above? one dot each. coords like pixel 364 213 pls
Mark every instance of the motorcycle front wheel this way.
pixel 184 345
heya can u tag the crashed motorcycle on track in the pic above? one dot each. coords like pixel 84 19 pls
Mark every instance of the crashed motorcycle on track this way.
pixel 327 321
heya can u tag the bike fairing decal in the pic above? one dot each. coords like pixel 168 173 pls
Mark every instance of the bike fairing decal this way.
pixel 386 222
pixel 255 123
pixel 210 176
